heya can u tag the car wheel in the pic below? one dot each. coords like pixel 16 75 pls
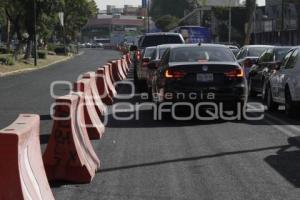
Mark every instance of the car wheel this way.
pixel 251 93
pixel 290 107
pixel 272 106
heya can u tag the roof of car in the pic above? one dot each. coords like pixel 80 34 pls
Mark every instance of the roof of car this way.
pixel 257 46
pixel 161 33
pixel 197 45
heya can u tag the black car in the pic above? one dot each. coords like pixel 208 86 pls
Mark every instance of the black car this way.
pixel 149 40
pixel 261 70
pixel 203 70
pixel 249 54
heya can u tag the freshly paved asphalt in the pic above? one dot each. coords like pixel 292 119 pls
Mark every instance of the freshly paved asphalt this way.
pixel 147 159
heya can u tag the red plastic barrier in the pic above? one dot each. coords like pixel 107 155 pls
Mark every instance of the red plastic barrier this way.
pixel 116 76
pixel 128 58
pixel 70 155
pixel 99 106
pixel 120 69
pixel 105 87
pixel 21 166
pixel 125 65
pixel 95 128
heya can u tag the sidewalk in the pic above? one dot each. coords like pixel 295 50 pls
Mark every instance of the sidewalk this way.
pixel 21 67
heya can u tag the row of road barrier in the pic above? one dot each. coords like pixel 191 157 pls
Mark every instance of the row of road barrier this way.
pixel 69 156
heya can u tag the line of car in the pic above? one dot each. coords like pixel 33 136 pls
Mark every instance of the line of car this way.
pixel 165 66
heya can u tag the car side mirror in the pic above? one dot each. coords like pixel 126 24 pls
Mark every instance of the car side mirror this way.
pixel 133 48
pixel 146 60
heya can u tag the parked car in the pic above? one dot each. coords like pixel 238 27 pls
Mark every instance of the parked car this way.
pixel 263 68
pixel 249 54
pixel 201 69
pixel 283 87
pixel 148 40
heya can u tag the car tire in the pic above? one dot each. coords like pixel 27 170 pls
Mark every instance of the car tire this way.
pixel 272 106
pixel 290 106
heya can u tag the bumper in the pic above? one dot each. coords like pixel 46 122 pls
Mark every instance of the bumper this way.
pixel 224 94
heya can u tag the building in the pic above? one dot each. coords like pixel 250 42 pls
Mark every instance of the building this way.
pixel 116 28
pixel 277 23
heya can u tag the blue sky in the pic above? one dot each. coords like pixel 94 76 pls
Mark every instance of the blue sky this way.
pixel 119 3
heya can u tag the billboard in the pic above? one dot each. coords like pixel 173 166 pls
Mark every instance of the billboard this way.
pixel 218 3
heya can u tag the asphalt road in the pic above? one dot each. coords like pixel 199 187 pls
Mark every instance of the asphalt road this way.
pixel 148 159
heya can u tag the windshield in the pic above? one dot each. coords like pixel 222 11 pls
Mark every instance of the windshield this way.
pixel 196 54
pixel 161 39
pixel 161 52
pixel 256 51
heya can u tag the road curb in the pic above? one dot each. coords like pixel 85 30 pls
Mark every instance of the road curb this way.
pixel 42 67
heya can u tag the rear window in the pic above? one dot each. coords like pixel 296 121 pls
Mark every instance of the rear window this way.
pixel 155 40
pixel 197 54
pixel 281 53
pixel 256 51
pixel 149 52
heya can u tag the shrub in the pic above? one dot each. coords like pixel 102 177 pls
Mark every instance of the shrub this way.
pixel 61 50
pixel 42 54
pixel 10 60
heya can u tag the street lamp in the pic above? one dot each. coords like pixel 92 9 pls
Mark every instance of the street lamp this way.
pixel 61 19
pixel 34 33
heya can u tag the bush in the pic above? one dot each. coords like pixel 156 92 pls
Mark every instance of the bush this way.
pixel 7 60
pixel 10 60
pixel 4 50
pixel 61 50
pixel 51 46
pixel 42 54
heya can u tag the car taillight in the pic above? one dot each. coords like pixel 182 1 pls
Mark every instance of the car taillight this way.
pixel 235 73
pixel 174 74
pixel 138 55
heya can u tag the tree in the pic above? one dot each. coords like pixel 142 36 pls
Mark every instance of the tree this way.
pixel 160 8
pixel 166 22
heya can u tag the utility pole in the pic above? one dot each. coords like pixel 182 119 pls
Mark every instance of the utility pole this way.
pixel 34 33
pixel 282 22
pixel 230 25
pixel 148 15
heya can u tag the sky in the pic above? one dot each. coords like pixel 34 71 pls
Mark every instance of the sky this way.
pixel 120 3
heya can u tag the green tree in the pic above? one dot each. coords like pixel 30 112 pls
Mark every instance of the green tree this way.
pixel 166 22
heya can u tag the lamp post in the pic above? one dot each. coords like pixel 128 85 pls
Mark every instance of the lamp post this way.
pixel 148 15
pixel 61 19
pixel 34 33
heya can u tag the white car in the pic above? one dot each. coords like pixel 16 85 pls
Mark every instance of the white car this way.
pixel 283 86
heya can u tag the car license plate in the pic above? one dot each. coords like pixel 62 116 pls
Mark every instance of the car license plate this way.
pixel 205 77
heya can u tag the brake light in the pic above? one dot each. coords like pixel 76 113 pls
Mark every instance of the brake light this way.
pixel 174 74
pixel 236 73
pixel 138 55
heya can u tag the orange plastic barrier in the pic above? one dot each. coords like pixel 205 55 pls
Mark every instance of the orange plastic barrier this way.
pixel 105 90
pixel 125 65
pixel 128 57
pixel 70 155
pixel 109 79
pixel 116 76
pixel 21 166
pixel 95 128
pixel 99 106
